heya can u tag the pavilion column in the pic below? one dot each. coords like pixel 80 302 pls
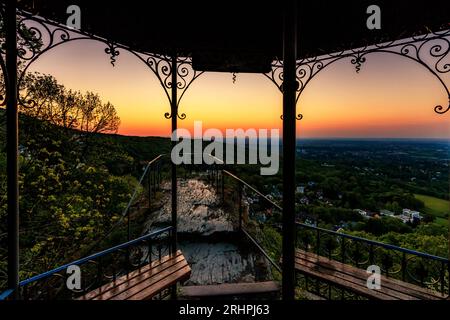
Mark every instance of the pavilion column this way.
pixel 290 86
pixel 12 141
pixel 174 112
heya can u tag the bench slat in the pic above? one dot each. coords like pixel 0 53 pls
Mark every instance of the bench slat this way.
pixel 149 292
pixel 145 282
pixel 150 275
pixel 343 281
pixel 392 288
pixel 347 281
pixel 149 281
pixel 154 267
pixel 387 282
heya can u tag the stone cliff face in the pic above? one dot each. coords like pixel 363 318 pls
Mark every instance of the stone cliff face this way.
pixel 199 209
pixel 216 253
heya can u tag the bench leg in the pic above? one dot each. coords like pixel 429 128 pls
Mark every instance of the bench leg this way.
pixel 173 292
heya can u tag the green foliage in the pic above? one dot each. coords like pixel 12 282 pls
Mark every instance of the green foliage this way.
pixel 66 203
pixel 272 242
pixel 379 226
pixel 423 240
pixel 74 182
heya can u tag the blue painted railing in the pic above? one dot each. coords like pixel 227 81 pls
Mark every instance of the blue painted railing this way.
pixel 97 257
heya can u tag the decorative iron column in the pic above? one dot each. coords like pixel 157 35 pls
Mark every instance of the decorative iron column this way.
pixel 12 141
pixel 290 86
pixel 174 110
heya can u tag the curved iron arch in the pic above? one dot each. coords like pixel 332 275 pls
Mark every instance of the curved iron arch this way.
pixel 410 48
pixel 276 77
pixel 52 35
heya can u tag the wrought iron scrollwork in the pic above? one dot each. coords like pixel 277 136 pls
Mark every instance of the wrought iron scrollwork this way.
pixel 185 77
pixel 358 60
pixel 38 35
pixel 276 76
pixel 161 66
pixel 431 51
pixel 297 117
pixel 112 51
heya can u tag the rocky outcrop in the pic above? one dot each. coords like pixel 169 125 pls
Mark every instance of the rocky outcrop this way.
pixel 216 253
pixel 199 210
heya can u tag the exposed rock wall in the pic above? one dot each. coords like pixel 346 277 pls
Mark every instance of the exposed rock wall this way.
pixel 216 253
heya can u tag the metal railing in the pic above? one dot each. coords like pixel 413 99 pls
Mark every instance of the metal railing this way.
pixel 423 269
pixel 98 268
pixel 252 204
pixel 233 191
pixel 151 177
pixel 407 265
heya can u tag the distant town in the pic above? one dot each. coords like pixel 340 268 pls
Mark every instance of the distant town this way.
pixel 385 189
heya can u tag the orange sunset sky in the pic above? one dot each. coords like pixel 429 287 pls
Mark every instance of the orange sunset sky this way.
pixel 390 97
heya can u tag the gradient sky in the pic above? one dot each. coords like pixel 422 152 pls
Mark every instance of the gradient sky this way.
pixel 390 97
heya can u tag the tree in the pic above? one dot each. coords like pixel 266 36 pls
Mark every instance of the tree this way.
pixel 54 103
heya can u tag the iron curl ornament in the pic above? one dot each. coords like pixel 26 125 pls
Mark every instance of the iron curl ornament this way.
pixel 276 77
pixel 161 65
pixel 38 35
pixel 112 51
pixel 185 75
pixel 431 51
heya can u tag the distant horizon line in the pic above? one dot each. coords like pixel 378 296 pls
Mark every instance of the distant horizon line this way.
pixel 320 138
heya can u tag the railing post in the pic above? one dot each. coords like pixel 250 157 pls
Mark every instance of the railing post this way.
pixel 128 225
pixel 154 181
pixel 442 276
pixel 240 205
pixel 149 189
pixel 317 241
pixel 217 178
pixel 403 266
pixel 12 142
pixel 223 187
pixel 159 174
pixel 448 270
pixel 149 248
pixel 99 272
pixel 371 254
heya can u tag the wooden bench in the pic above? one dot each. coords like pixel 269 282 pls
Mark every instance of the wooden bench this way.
pixel 355 280
pixel 146 282
pixel 230 289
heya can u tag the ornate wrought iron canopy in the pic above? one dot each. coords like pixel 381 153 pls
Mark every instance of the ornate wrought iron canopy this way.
pixel 430 50
pixel 254 27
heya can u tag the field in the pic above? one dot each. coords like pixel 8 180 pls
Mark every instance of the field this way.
pixel 437 207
